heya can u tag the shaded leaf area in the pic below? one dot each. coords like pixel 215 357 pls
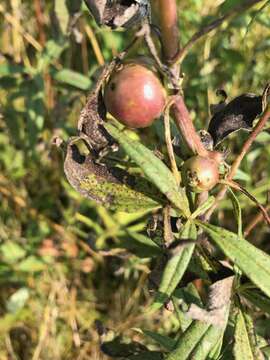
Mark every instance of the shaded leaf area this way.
pixel 258 299
pixel 116 348
pixel 239 113
pixel 252 261
pixel 113 187
pixel 165 341
pixel 140 244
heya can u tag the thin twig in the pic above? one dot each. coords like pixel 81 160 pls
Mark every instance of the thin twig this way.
pixel 95 45
pixel 40 21
pixel 257 129
pixel 168 140
pixel 254 222
pixel 14 22
pixel 213 25
pixel 168 234
pixel 237 187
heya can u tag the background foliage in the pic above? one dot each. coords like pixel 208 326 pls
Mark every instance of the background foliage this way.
pixel 64 261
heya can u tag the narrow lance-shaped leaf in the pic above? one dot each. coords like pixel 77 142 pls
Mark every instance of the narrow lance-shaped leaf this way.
pixel 258 299
pixel 112 187
pixel 202 336
pixel 242 347
pixel 73 78
pixel 163 340
pixel 217 313
pixel 237 211
pixel 207 343
pixel 203 208
pixel 252 261
pixel 154 169
pixel 185 296
pixel 176 267
pixel 188 340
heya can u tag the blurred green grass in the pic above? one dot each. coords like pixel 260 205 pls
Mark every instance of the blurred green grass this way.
pixel 63 262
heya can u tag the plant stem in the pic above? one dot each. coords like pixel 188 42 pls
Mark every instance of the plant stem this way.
pixel 185 125
pixel 236 186
pixel 170 41
pixel 169 144
pixel 169 28
pixel 254 222
pixel 257 129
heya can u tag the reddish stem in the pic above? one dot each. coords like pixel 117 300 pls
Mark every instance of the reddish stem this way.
pixel 185 125
pixel 169 28
pixel 40 21
pixel 170 41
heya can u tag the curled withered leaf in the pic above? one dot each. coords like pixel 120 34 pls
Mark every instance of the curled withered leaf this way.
pixel 222 95
pixel 92 117
pixel 239 113
pixel 217 306
pixel 118 13
pixel 113 187
pixel 91 123
pixel 206 139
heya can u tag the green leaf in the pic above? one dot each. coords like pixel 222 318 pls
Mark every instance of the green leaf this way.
pixel 154 169
pixel 51 52
pixel 165 341
pixel 214 354
pixel 62 14
pixel 140 244
pixel 175 267
pixel 31 264
pixel 185 296
pixel 7 69
pixel 242 347
pixel 17 300
pixel 188 341
pixel 237 212
pixel 259 300
pixel 147 355
pixel 207 343
pixel 12 252
pixel 112 187
pixel 266 351
pixel 252 261
pixel 204 333
pixel 73 78
pixel 203 208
